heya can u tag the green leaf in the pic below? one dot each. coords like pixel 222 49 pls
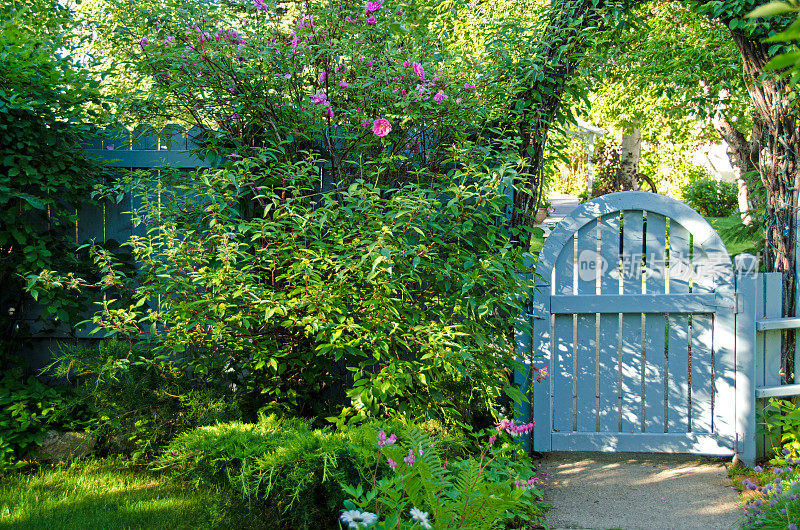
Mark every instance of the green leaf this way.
pixel 770 10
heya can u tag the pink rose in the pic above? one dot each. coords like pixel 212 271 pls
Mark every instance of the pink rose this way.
pixel 381 127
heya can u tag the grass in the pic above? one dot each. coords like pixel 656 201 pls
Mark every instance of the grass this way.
pixel 109 494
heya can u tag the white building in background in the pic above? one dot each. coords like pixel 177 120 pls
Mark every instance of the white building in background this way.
pixel 714 158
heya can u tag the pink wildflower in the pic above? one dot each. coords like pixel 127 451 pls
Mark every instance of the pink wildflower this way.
pixel 322 77
pixel 371 21
pixel 343 83
pixel 439 97
pixel 319 98
pixel 169 40
pixel 541 373
pixel 259 4
pixel 381 127
pixel 410 458
pixel 406 64
pixel 399 13
pixel 392 463
pixel 418 70
pixel 329 112
pixel 143 43
pixel 349 18
pixel 469 86
pixel 235 116
pixel 492 440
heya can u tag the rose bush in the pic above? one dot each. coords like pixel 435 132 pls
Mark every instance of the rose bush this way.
pixel 350 81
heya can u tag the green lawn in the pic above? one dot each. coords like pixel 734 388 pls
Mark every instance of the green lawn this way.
pixel 108 494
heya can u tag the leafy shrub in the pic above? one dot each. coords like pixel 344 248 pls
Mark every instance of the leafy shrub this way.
pixel 392 299
pixel 420 489
pixel 133 403
pixel 283 469
pixel 44 177
pixel 712 198
pixel 315 76
pixel 782 425
pixel 292 475
pixel 28 408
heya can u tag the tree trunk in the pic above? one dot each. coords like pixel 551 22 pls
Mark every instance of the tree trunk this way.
pixel 630 153
pixel 742 153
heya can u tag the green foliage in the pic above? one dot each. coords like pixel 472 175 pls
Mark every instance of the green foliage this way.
pixel 282 469
pixel 112 493
pixel 401 299
pixel 477 492
pixel 44 176
pixel 132 403
pixel 28 408
pixel 304 77
pixel 782 424
pixel 711 198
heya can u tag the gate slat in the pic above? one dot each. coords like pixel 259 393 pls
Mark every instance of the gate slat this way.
pixel 702 341
pixel 608 345
pixel 563 281
pixel 586 334
pixel 678 354
pixel 631 342
pixel 654 391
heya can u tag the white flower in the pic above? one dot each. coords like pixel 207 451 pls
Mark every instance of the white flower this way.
pixel 418 516
pixel 355 519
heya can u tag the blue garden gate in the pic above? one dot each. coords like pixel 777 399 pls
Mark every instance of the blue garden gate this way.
pixel 634 320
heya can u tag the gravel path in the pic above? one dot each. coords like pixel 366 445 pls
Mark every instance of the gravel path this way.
pixel 630 490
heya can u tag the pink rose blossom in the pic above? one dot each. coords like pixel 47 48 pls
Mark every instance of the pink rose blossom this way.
pixel 371 7
pixel 418 70
pixel 381 127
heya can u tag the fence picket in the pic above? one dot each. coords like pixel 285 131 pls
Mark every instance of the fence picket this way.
pixel 654 390
pixel 609 324
pixel 631 355
pixel 588 267
pixel 678 342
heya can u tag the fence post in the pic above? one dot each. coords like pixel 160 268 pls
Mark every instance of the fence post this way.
pixel 524 355
pixel 745 347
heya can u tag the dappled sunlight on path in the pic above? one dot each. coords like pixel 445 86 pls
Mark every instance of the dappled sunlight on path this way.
pixel 629 490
